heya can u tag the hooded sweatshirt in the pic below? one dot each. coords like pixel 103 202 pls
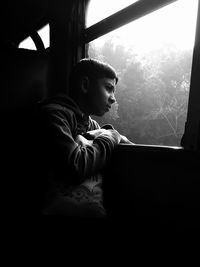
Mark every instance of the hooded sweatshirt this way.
pixel 74 168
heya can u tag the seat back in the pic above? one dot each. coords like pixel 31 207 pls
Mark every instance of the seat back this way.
pixel 24 84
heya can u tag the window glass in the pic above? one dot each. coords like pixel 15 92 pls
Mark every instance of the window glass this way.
pixel 44 35
pixel 99 10
pixel 153 57
pixel 28 44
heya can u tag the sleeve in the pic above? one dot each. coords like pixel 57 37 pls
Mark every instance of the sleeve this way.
pixel 67 154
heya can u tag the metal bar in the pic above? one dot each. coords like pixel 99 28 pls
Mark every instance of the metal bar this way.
pixel 37 41
pixel 191 137
pixel 122 17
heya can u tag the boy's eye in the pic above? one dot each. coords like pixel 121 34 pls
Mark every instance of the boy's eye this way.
pixel 110 88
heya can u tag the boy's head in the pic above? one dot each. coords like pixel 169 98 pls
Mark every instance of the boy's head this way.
pixel 92 85
pixel 91 68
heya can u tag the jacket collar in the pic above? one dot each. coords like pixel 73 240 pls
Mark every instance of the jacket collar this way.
pixel 69 103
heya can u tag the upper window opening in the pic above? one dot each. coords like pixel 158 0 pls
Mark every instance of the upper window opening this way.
pixel 153 57
pixel 44 35
pixel 28 44
pixel 99 10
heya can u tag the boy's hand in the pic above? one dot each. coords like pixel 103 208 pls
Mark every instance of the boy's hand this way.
pixel 81 140
pixel 91 135
pixel 109 133
pixel 124 140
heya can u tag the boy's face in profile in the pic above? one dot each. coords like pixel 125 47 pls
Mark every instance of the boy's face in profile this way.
pixel 101 96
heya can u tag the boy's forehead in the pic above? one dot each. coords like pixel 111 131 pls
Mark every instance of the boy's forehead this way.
pixel 109 81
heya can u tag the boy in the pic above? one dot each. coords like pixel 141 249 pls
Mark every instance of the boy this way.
pixel 75 147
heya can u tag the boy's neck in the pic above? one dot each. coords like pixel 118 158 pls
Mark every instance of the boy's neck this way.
pixel 82 106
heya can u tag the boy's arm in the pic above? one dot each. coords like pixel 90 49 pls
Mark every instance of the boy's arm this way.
pixel 70 155
pixel 125 140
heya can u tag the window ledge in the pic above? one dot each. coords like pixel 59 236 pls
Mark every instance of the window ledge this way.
pixel 143 147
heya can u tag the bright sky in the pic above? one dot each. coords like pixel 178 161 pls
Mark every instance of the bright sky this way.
pixel 174 24
pixel 100 9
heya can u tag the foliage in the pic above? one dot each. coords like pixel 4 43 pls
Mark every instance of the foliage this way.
pixel 152 92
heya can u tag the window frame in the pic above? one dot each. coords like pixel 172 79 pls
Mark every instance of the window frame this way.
pixel 190 139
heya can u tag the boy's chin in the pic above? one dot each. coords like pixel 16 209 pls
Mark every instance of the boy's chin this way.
pixel 103 113
pixel 100 113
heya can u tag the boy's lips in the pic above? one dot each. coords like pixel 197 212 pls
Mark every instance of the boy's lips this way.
pixel 108 106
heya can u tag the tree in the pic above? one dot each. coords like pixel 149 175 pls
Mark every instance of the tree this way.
pixel 152 92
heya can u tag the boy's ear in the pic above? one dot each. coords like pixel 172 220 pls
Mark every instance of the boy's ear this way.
pixel 84 84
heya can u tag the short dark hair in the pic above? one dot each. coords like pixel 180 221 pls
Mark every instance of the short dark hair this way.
pixel 93 69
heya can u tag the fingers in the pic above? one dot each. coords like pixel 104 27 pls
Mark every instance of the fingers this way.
pixel 81 140
pixel 94 133
pixel 124 140
pixel 107 126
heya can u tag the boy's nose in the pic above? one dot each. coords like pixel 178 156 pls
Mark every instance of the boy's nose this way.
pixel 112 99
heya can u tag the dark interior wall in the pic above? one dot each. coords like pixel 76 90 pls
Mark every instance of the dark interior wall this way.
pixel 25 69
pixel 23 83
pixel 24 79
pixel 25 72
pixel 154 188
pixel 66 28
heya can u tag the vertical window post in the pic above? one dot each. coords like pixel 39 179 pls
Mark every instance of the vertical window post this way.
pixel 191 138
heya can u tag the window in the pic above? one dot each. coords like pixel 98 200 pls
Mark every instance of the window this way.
pixel 28 43
pixel 105 9
pixel 44 35
pixel 153 58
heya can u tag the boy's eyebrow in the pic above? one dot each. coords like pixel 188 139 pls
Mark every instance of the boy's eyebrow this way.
pixel 110 85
